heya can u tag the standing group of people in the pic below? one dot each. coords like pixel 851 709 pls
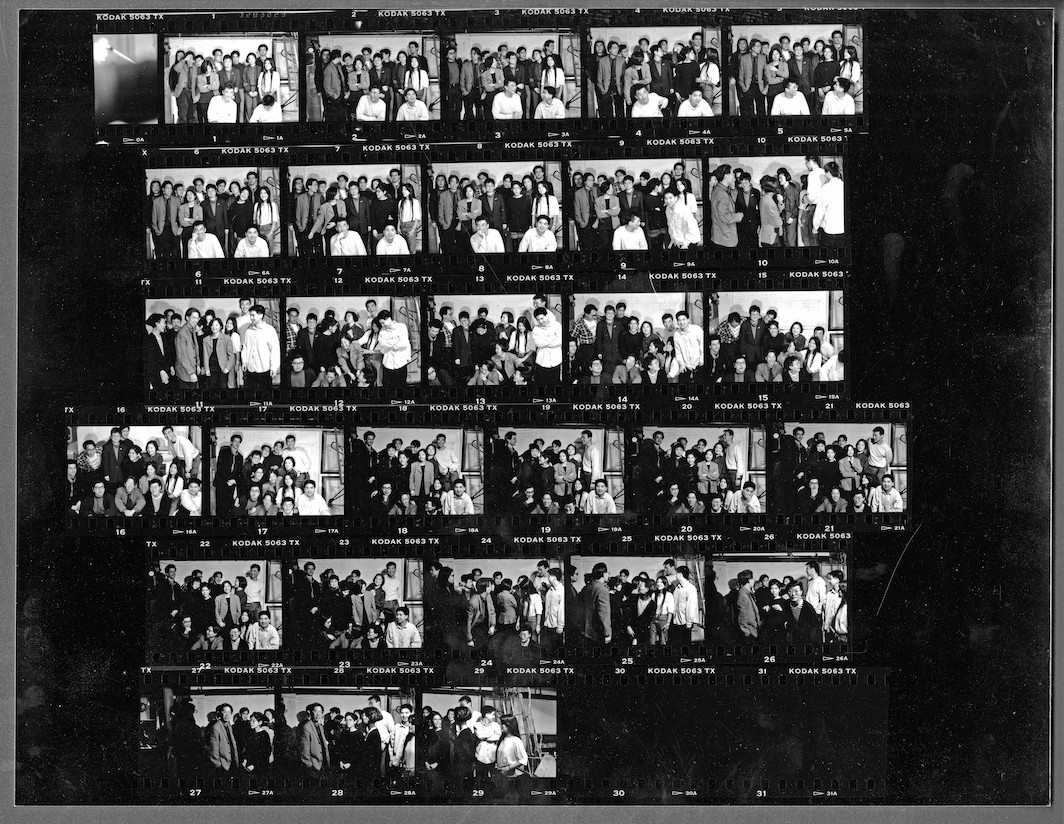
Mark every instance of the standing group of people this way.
pixel 209 614
pixel 493 352
pixel 746 217
pixel 353 218
pixel 799 78
pixel 207 220
pixel 784 612
pixel 371 86
pixel 548 479
pixel 410 479
pixel 815 476
pixel 327 612
pixel 513 621
pixel 624 611
pixel 361 352
pixel 209 350
pixel 754 349
pixel 507 83
pixel 654 80
pixel 627 214
pixel 615 348
pixel 118 478
pixel 231 744
pixel 691 479
pixel 225 88
pixel 482 215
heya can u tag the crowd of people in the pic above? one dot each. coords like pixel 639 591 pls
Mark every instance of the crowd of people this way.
pixel 815 476
pixel 225 87
pixel 209 614
pixel 754 349
pixel 615 348
pixel 117 478
pixel 484 215
pixel 496 617
pixel 364 351
pixel 410 479
pixel 270 480
pixel 369 746
pixel 626 213
pixel 462 749
pixel 212 219
pixel 653 79
pixel 691 479
pixel 746 217
pixel 536 478
pixel 357 612
pixel 493 352
pixel 505 83
pixel 800 78
pixel 783 612
pixel 372 86
pixel 211 350
pixel 349 217
pixel 626 610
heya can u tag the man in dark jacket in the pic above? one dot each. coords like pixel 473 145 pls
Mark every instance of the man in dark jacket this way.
pixel 598 622
pixel 801 623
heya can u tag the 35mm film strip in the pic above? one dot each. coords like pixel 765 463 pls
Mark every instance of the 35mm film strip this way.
pixel 334 740
pixel 284 77
pixel 691 205
pixel 481 614
pixel 786 471
pixel 630 339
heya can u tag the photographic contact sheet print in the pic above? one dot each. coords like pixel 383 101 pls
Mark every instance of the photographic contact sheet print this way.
pixel 506 415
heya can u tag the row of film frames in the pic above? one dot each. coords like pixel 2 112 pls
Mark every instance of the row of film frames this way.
pixel 487 469
pixel 752 342
pixel 717 223
pixel 710 79
pixel 629 606
pixel 809 735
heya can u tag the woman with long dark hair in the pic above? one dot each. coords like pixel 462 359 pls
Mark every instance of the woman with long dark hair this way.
pixel 258 748
pixel 189 213
pixel 267 219
pixel 513 779
pixel 642 611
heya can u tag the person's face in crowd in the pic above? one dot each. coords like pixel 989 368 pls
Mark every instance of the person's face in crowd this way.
pixel 814 487
pixel 859 500
pixel 887 483
pixel 740 366
pixel 317 714
pixel 794 593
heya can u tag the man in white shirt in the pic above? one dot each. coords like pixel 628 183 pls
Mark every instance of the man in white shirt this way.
pixel 392 243
pixel 539 238
pixel 267 111
pixel 203 245
pixel 747 500
pixel 885 498
pixel 547 338
pixel 684 231
pixel 182 450
pixel 838 100
pixel 829 222
pixel 371 107
pixel 394 342
pixel 553 616
pixel 310 502
pixel 260 353
pixel 456 501
pixel 688 346
pixel 687 613
pixel 412 108
pixel 601 503
pixel 591 463
pixel 734 460
pixel 346 243
pixel 815 180
pixel 192 499
pixel 264 634
pixel 446 459
pixel 386 717
pixel 507 105
pixel 222 108
pixel 485 240
pixel 647 103
pixel 402 634
pixel 790 103
pixel 251 245
pixel 253 590
pixel 695 106
pixel 550 107
pixel 630 237
pixel 816 589
pixel 880 454
pixel 299 455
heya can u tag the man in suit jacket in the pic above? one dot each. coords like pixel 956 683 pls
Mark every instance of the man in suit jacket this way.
pixel 112 456
pixel 608 82
pixel 228 471
pixel 357 206
pixel 314 755
pixel 747 202
pixel 162 208
pixel 632 200
pixel 216 216
pixel 221 742
pixel 607 210
pixel 334 90
pixel 801 623
pixel 493 207
pixel 462 349
pixel 748 620
pixel 751 333
pixel 447 217
pixel 598 619
pixel 306 592
pixel 584 213
pixel 480 615
pixel 186 351
pixel 607 341
pixel 802 66
pixel 306 339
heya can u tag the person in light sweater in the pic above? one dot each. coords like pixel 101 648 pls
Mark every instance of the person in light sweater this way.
pixel 310 503
pixel 629 237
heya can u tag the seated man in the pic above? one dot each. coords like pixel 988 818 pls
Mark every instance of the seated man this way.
pixel 192 499
pixel 310 502
pixel 252 246
pixel 99 504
